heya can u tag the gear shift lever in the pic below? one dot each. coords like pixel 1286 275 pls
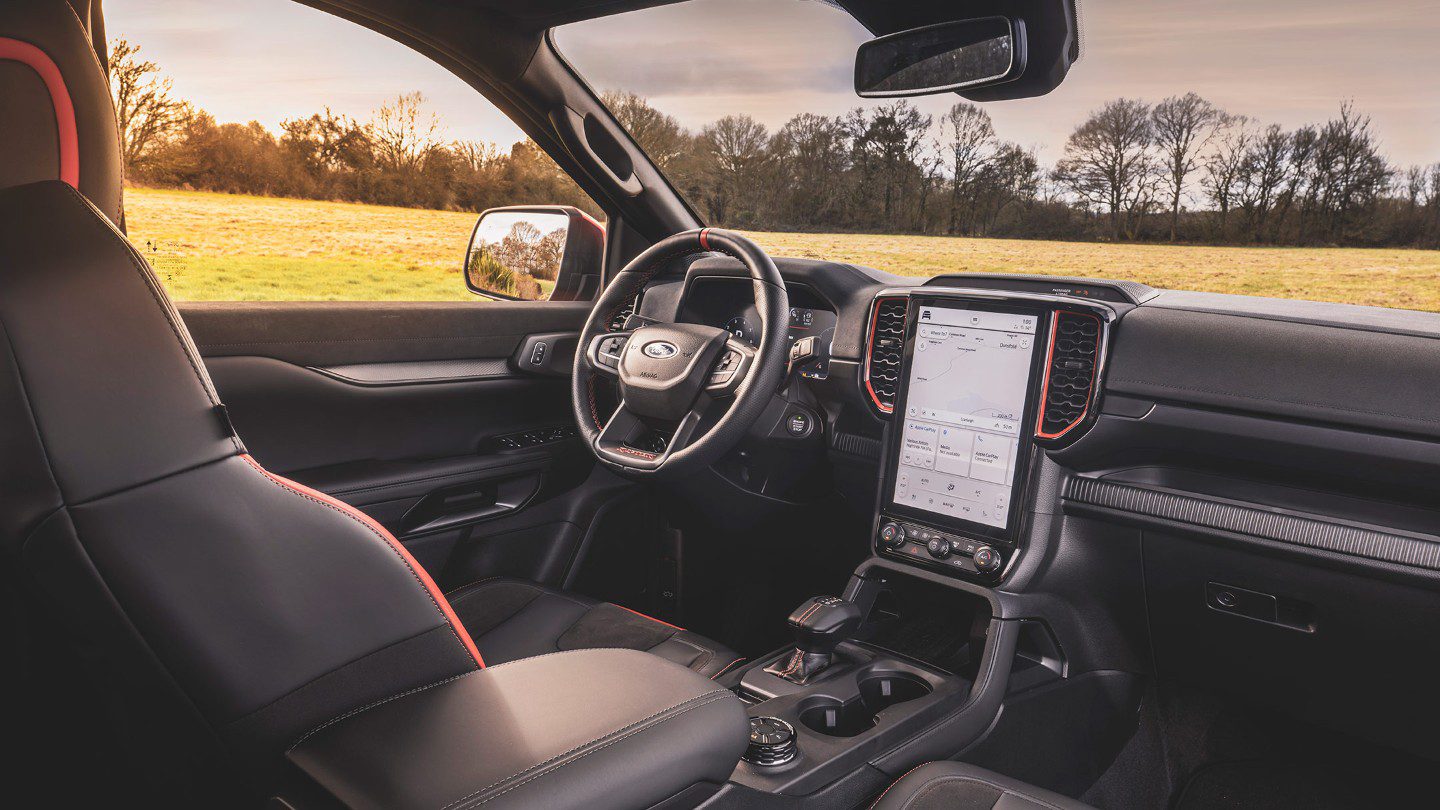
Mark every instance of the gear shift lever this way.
pixel 820 624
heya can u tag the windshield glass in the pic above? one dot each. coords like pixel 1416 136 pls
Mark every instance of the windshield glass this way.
pixel 1282 149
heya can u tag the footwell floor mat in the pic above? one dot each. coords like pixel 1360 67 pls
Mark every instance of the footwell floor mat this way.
pixel 1274 786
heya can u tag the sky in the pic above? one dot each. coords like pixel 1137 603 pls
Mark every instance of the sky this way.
pixel 1289 62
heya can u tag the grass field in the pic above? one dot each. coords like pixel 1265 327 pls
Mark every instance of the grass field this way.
pixel 219 247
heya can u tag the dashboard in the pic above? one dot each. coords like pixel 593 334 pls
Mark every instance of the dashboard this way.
pixel 728 303
pixel 966 382
pixel 1258 476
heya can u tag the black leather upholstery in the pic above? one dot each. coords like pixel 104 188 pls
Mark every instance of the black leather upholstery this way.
pixel 219 612
pixel 226 610
pixel 511 619
pixel 957 786
pixel 590 730
pixel 230 613
pixel 71 36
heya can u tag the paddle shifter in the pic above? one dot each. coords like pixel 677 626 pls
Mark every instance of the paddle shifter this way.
pixel 820 624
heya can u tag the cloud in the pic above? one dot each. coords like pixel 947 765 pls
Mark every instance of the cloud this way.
pixel 1284 61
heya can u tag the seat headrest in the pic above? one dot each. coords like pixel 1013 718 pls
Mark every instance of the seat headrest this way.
pixel 59 122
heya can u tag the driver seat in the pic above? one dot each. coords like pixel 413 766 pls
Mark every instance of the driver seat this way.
pixel 222 613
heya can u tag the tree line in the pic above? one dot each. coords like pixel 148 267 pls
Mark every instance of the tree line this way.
pixel 1179 170
pixel 397 157
pixel 1182 169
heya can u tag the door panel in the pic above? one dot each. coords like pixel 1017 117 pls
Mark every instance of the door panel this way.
pixel 294 419
pixel 422 415
pixel 338 333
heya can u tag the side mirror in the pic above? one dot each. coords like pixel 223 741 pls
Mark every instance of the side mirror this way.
pixel 535 253
pixel 942 58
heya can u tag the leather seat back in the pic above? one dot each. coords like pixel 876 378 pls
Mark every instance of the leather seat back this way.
pixel 182 569
pixel 222 612
pixel 218 603
pixel 58 120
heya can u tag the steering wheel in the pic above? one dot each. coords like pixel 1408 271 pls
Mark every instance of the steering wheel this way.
pixel 671 373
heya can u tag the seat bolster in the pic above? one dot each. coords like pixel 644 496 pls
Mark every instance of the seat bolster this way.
pixel 589 730
pixel 958 786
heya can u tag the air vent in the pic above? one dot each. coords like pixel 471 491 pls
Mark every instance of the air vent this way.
pixel 622 315
pixel 1069 373
pixel 887 345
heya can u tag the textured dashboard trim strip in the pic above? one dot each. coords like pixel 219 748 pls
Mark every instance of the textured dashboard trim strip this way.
pixel 1261 523
pixel 417 372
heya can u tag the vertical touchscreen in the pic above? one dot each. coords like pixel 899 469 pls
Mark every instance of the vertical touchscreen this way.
pixel 966 392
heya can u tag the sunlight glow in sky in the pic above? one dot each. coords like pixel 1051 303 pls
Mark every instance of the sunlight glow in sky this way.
pixel 1280 61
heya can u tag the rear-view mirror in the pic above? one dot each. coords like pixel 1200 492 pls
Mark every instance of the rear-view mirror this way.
pixel 942 58
pixel 534 253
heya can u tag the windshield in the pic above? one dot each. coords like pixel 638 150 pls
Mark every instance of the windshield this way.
pixel 1282 149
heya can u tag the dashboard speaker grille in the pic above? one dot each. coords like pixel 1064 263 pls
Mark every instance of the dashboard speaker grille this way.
pixel 883 356
pixel 1069 373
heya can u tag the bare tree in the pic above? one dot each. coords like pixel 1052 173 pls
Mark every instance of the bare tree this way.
pixel 1183 125
pixel 968 141
pixel 812 154
pixel 1412 187
pixel 327 142
pixel 1109 164
pixel 1011 178
pixel 888 143
pixel 403 133
pixel 477 156
pixel 1301 155
pixel 1262 177
pixel 1223 164
pixel 660 135
pixel 145 110
pixel 737 148
pixel 1432 202
pixel 1355 174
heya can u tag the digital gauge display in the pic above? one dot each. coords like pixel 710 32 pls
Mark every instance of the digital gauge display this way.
pixel 729 303
pixel 803 323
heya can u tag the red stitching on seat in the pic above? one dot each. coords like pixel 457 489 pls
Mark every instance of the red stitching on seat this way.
pixel 65 129
pixel 441 603
pixel 651 618
pixel 726 668
pixel 896 782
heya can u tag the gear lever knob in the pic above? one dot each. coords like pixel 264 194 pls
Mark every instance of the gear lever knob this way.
pixel 821 623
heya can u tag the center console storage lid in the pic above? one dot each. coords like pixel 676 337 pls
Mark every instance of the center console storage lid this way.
pixel 588 729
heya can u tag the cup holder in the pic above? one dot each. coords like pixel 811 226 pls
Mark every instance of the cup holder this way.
pixel 877 693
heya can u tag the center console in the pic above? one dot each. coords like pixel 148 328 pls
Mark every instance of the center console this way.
pixel 901 666
pixel 983 380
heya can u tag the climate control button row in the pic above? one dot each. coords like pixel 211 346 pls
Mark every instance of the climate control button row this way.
pixel 959 553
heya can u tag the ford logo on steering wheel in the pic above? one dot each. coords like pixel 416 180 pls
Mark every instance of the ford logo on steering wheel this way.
pixel 659 349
